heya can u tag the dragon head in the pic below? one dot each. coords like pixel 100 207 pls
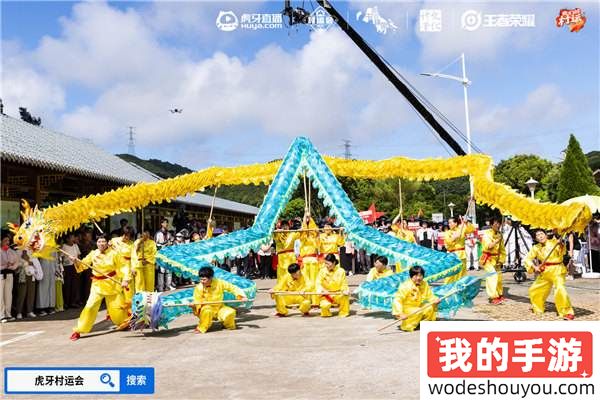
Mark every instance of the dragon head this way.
pixel 34 234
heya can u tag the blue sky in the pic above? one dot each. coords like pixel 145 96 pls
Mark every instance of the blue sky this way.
pixel 92 69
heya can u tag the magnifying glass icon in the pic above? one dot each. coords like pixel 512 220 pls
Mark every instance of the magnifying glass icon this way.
pixel 106 378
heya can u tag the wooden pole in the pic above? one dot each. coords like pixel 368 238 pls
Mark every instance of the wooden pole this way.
pixel 92 268
pixel 400 197
pixel 206 303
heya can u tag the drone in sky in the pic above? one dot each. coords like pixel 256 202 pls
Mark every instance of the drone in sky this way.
pixel 176 110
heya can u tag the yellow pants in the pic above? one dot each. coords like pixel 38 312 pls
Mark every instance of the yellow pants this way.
pixel 144 279
pixel 281 303
pixel 283 262
pixel 493 284
pixel 342 300
pixel 115 307
pixel 539 291
pixel 60 303
pixel 224 314
pixel 460 274
pixel 310 270
pixel 410 324
pixel 129 292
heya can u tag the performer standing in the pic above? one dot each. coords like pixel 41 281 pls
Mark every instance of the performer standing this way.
pixel 492 259
pixel 143 258
pixel 123 245
pixel 454 238
pixel 106 264
pixel 293 281
pixel 284 246
pixel 412 295
pixel 329 243
pixel 309 245
pixel 380 270
pixel 546 258
pixel 211 289
pixel 332 278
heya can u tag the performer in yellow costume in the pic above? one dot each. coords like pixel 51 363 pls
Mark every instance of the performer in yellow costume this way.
pixel 143 258
pixel 329 243
pixel 454 238
pixel 284 246
pixel 309 246
pixel 412 295
pixel 105 263
pixel 211 290
pixel 492 258
pixel 380 270
pixel 124 245
pixel 546 259
pixel 332 278
pixel 293 281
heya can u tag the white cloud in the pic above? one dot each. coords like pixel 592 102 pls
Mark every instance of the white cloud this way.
pixel 24 86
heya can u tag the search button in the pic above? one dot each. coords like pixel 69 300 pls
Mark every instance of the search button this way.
pixel 107 379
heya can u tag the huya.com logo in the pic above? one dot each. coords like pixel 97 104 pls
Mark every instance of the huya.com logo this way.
pixel 227 21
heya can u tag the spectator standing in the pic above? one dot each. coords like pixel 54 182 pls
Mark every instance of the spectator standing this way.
pixel 9 262
pixel 46 287
pixel 72 280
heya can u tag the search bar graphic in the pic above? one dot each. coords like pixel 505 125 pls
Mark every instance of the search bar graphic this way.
pixel 78 380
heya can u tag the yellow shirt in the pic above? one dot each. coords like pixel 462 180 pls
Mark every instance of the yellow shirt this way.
pixel 540 252
pixel 214 292
pixel 374 274
pixel 107 263
pixel 330 243
pixel 124 249
pixel 309 240
pixel 454 244
pixel 410 296
pixel 289 284
pixel 495 254
pixel 143 254
pixel 284 241
pixel 334 281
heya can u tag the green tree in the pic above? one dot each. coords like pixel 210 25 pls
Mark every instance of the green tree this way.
pixel 576 177
pixel 517 170
pixel 295 208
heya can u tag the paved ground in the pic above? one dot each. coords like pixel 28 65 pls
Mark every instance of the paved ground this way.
pixel 267 357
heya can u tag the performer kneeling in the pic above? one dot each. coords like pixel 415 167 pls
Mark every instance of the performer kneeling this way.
pixel 211 290
pixel 105 263
pixel 552 272
pixel 412 295
pixel 332 278
pixel 292 281
pixel 380 270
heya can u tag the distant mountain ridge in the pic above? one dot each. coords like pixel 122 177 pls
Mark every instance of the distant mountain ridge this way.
pixel 246 194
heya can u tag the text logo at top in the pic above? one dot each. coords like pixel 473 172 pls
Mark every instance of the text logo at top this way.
pixel 373 16
pixel 574 19
pixel 320 20
pixel 227 21
pixel 470 20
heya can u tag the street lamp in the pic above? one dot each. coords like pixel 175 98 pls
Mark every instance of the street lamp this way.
pixel 531 184
pixel 465 82
pixel 451 206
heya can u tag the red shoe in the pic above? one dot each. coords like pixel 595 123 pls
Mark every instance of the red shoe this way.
pixel 107 317
pixel 306 314
pixel 497 300
pixel 569 317
pixel 196 330
pixel 75 336
pixel 502 298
